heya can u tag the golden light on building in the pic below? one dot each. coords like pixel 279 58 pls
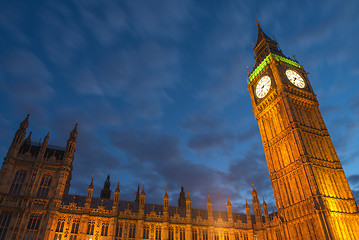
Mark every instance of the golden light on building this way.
pixel 312 194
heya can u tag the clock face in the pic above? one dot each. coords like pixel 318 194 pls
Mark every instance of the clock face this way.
pixel 263 87
pixel 295 78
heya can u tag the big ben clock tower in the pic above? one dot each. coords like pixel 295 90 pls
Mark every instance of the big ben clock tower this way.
pixel 311 191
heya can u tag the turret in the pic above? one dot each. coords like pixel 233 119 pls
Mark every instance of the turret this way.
pixel 182 199
pixel 265 210
pixel 71 144
pixel 248 214
pixel 165 204
pixel 43 147
pixel 116 197
pixel 256 206
pixel 209 209
pixel 89 194
pixel 137 200
pixel 142 200
pixel 229 210
pixel 106 190
pixel 188 207
pixel 19 137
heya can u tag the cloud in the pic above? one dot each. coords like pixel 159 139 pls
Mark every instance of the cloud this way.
pixel 209 141
pixel 25 73
pixel 201 122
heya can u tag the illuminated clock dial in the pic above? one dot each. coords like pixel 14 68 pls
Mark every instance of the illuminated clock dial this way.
pixel 295 78
pixel 263 87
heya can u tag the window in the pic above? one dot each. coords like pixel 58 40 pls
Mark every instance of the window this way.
pixel 182 234
pixel 158 233
pixel 32 228
pixel 17 182
pixel 170 233
pixel 205 235
pixel 90 228
pixel 5 218
pixel 119 232
pixel 74 230
pixel 194 234
pixel 104 229
pixel 44 186
pixel 132 233
pixel 146 232
pixel 236 236
pixel 59 229
pixel 216 236
pixel 226 236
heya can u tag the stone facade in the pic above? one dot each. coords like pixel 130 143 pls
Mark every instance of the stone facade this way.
pixel 312 194
pixel 311 191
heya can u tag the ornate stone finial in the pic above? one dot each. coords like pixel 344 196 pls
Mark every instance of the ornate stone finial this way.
pixel 118 187
pixel 166 195
pixel 228 202
pixel 143 188
pixel 28 139
pixel 257 22
pixel 209 199
pixel 91 184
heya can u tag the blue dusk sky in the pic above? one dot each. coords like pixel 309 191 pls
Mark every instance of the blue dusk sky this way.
pixel 159 88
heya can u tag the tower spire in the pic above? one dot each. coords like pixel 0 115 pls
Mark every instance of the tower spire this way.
pixel 264 46
pixel 106 190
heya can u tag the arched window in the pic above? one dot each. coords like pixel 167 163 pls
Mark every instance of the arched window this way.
pixel 171 233
pixel 59 229
pixel 5 218
pixel 17 182
pixel 182 234
pixel 74 230
pixel 104 229
pixel 119 231
pixel 32 228
pixel 205 235
pixel 90 228
pixel 44 187
pixel 132 232
pixel 158 233
pixel 194 234
pixel 146 232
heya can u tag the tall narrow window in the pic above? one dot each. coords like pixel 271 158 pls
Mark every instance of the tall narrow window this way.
pixel 226 236
pixel 17 182
pixel 236 236
pixel 194 234
pixel 182 234
pixel 5 218
pixel 32 228
pixel 158 233
pixel 205 235
pixel 74 230
pixel 146 232
pixel 90 228
pixel 119 232
pixel 170 233
pixel 104 229
pixel 44 186
pixel 59 229
pixel 132 232
pixel 216 236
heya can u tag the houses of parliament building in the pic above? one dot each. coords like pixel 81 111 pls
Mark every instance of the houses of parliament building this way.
pixel 312 194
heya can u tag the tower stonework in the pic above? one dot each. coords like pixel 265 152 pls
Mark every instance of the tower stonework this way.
pixel 311 191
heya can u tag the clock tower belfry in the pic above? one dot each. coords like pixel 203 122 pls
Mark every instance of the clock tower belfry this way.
pixel 311 191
